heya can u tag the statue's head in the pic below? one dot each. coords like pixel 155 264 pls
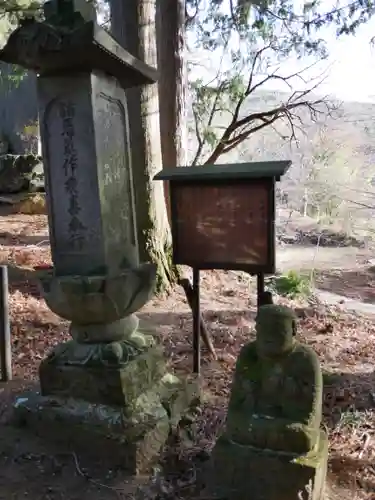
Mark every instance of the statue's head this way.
pixel 275 330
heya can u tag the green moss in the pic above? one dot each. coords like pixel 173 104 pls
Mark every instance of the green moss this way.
pixel 314 458
pixel 237 470
pixel 292 284
pixel 276 397
pixel 167 273
pixel 112 354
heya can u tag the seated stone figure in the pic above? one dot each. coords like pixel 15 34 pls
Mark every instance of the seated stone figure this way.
pixel 276 397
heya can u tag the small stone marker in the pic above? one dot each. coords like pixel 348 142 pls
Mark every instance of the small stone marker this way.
pixel 107 391
pixel 272 447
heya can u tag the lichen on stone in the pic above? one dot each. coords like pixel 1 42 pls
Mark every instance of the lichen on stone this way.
pixel 276 396
pixel 114 354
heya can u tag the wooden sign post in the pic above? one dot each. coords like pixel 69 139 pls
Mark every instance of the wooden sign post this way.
pixel 223 217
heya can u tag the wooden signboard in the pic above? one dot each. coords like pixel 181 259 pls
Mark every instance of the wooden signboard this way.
pixel 223 215
pixel 223 226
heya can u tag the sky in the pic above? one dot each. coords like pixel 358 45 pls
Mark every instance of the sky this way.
pixel 348 72
pixel 352 75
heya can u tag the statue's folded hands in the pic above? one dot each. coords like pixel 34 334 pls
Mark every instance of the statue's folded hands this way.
pixel 267 432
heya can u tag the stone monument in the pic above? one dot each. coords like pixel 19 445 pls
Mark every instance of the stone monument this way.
pixel 109 387
pixel 272 445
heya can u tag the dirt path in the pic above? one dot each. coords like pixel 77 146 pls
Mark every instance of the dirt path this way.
pixel 342 276
pixel 305 258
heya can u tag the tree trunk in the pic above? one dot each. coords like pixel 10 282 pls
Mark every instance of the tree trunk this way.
pixel 133 24
pixel 172 83
pixel 173 119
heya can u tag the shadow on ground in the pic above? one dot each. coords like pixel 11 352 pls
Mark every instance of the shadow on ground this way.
pixel 23 280
pixel 357 284
pixel 13 240
pixel 349 410
pixel 227 328
pixel 348 391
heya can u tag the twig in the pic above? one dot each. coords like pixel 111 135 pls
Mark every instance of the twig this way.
pixel 93 481
pixel 365 446
pixel 189 292
pixel 37 245
pixel 314 258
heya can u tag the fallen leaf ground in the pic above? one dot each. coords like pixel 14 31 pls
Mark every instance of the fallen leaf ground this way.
pixel 33 469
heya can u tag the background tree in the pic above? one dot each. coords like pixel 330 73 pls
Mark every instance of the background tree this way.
pixel 307 17
pixel 333 202
pixel 133 23
pixel 253 53
pixel 173 83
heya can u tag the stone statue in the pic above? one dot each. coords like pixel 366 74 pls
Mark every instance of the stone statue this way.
pixel 272 445
pixel 276 397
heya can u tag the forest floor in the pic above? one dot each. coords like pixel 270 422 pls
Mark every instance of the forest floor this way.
pixel 345 342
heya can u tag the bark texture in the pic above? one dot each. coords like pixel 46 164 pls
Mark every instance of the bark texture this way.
pixel 133 24
pixel 172 83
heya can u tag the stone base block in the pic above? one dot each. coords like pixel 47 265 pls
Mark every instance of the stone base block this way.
pixel 241 473
pixel 95 430
pixel 99 382
pixel 126 437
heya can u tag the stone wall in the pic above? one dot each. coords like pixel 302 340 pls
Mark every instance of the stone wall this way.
pixel 18 108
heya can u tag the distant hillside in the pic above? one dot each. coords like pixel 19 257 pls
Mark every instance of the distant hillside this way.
pixel 353 123
pixel 333 172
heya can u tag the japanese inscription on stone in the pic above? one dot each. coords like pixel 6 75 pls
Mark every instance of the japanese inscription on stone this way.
pixel 76 229
pixel 88 173
pixel 69 153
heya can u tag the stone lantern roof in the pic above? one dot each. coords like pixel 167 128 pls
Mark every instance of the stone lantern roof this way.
pixel 70 40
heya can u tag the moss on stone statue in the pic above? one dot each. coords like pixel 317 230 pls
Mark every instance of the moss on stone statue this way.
pixel 272 444
pixel 127 432
pixel 113 354
pixel 276 396
pixel 236 470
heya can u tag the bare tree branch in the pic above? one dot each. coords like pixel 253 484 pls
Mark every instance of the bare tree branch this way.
pixel 198 136
pixel 242 124
pixel 232 136
pixel 214 108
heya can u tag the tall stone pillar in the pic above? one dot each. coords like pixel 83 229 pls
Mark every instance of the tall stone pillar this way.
pixel 109 387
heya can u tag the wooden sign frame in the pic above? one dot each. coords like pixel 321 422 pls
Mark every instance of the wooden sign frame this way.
pixel 248 182
pixel 185 254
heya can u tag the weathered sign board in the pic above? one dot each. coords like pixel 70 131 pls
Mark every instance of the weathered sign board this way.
pixel 223 216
